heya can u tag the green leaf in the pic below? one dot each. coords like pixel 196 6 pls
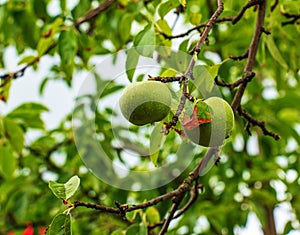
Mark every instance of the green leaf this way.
pixel 60 225
pixel 288 227
pixel 195 18
pixel 133 229
pixel 169 73
pixel 163 26
pixel 275 52
pixel 8 163
pixel 67 190
pixel 184 45
pixel 124 26
pixel 43 85
pixel 32 106
pixel 214 69
pixel 67 49
pixel 117 232
pixel 156 140
pixel 132 60
pixel 26 59
pixel 14 134
pixel 43 45
pixel 63 5
pixel 29 115
pixel 167 6
pixel 152 215
pixel 203 82
pixel 143 229
pixel 145 41
pixel 43 144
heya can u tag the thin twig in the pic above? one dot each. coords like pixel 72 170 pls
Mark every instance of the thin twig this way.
pixel 254 122
pixel 240 57
pixel 166 79
pixel 188 73
pixel 194 192
pixel 174 208
pixel 243 10
pixel 293 17
pixel 19 73
pixel 232 19
pixel 93 13
pixel 231 86
pixel 274 5
pixel 97 207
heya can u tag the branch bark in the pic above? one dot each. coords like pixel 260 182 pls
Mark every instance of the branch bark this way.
pixel 251 55
pixel 93 13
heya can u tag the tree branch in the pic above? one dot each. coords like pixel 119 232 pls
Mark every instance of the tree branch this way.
pixel 293 17
pixel 274 5
pixel 93 13
pixel 231 86
pixel 188 73
pixel 232 19
pixel 251 55
pixel 166 79
pixel 254 122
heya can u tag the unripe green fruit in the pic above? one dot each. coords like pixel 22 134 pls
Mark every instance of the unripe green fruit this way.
pixel 145 102
pixel 214 133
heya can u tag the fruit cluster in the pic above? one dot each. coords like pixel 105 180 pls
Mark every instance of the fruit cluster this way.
pixel 150 101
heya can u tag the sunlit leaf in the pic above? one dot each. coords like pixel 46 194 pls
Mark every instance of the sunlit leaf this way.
pixel 166 7
pixel 29 114
pixel 67 190
pixel 132 59
pixel 169 73
pixel 152 215
pixel 195 18
pixel 163 26
pixel 26 59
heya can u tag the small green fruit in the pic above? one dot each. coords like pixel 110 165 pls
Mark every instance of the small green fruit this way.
pixel 145 102
pixel 214 133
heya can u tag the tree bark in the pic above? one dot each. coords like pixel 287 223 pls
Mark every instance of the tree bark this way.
pixel 269 228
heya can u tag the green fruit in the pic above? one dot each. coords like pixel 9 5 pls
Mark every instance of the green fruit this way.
pixel 214 133
pixel 145 102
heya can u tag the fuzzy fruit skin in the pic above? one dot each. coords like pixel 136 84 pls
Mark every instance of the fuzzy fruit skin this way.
pixel 145 102
pixel 214 133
